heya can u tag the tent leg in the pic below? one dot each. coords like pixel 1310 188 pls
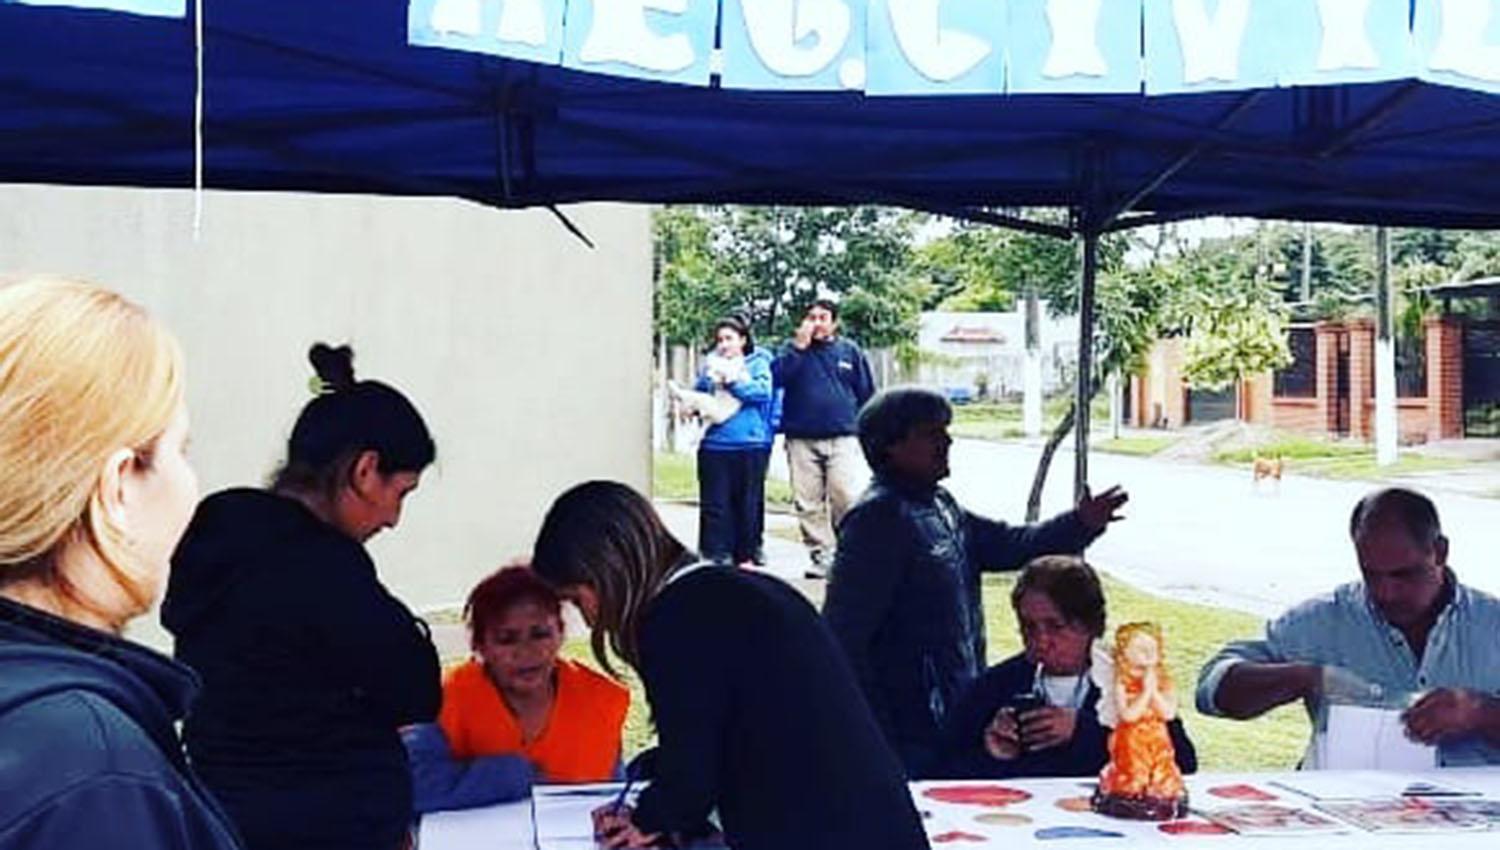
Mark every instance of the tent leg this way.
pixel 1085 364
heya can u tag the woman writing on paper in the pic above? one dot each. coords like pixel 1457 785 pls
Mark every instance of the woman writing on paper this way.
pixel 761 722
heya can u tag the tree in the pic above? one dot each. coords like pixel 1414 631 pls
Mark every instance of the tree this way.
pixel 1131 312
pixel 693 289
pixel 771 263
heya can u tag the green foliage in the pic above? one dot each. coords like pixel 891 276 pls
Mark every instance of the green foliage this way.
pixel 674 477
pixel 770 263
pixel 1478 255
pixel 694 289
pixel 1135 446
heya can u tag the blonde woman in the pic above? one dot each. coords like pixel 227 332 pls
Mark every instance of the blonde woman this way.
pixel 95 489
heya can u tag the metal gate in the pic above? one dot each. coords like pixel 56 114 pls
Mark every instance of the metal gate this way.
pixel 1481 341
pixel 1210 405
pixel 1340 400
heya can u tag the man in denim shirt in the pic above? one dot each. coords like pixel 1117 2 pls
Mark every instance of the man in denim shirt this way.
pixel 1409 628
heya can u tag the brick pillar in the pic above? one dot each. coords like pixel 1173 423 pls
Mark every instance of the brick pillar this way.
pixel 1361 378
pixel 1328 334
pixel 1258 391
pixel 1445 378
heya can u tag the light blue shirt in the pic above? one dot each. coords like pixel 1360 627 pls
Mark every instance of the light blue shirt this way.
pixel 1344 629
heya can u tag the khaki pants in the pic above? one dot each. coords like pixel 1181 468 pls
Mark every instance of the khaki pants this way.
pixel 827 476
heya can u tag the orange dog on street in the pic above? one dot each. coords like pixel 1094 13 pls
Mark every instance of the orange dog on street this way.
pixel 1266 467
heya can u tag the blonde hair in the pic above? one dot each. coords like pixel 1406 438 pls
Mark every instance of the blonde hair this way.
pixel 83 374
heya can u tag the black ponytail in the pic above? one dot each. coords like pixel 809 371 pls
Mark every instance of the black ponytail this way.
pixel 350 417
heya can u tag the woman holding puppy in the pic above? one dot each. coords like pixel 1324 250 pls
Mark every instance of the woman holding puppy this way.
pixel 733 456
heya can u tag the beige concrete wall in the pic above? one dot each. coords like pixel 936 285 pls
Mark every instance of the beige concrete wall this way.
pixel 528 353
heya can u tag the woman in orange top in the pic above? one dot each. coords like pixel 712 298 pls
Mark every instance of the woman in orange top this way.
pixel 516 697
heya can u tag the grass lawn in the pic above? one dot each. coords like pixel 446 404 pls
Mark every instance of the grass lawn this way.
pixel 1002 420
pixel 675 477
pixel 1136 446
pixel 1328 459
pixel 1194 632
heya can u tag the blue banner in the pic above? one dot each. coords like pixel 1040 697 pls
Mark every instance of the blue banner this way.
pixel 154 8
pixel 1345 41
pixel 965 47
pixel 794 44
pixel 1216 45
pixel 667 40
pixel 1067 46
pixel 935 47
pixel 1459 43
pixel 517 29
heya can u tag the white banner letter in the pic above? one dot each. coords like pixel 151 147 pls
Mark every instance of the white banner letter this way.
pixel 936 53
pixel 523 22
pixel 777 29
pixel 1346 38
pixel 1211 46
pixel 460 17
pixel 619 33
pixel 1075 40
pixel 1460 47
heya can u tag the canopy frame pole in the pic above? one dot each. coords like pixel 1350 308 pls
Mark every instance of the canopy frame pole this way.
pixel 1085 380
pixel 1188 158
pixel 1355 132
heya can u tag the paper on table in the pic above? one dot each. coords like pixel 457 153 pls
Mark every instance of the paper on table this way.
pixel 563 814
pixel 1362 738
pixel 1362 785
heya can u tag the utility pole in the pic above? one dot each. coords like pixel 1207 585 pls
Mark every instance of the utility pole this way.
pixel 1031 399
pixel 1385 353
pixel 1306 262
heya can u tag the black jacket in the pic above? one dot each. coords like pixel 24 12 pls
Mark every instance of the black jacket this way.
pixel 760 718
pixel 825 386
pixel 904 600
pixel 309 667
pixel 89 756
pixel 964 755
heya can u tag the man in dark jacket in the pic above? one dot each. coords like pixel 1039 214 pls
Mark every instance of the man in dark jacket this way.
pixel 904 595
pixel 826 380
pixel 89 756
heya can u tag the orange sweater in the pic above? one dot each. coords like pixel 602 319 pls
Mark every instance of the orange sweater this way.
pixel 580 742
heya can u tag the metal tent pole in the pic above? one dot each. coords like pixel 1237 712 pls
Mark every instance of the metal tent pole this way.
pixel 1085 363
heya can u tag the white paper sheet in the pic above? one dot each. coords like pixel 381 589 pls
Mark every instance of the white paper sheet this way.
pixel 1361 738
pixel 1364 785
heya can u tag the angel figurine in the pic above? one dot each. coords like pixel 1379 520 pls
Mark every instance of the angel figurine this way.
pixel 1137 700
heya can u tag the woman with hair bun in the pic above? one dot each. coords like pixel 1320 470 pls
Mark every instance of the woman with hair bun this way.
pixel 95 490
pixel 309 664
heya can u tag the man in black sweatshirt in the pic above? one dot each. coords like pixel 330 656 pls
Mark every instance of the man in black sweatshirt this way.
pixel 826 380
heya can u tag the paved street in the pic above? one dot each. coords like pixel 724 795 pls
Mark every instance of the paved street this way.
pixel 1205 533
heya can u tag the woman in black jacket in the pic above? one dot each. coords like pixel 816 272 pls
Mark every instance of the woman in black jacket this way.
pixel 95 490
pixel 758 713
pixel 309 665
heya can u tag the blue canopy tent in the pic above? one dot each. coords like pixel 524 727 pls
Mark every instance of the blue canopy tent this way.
pixel 335 97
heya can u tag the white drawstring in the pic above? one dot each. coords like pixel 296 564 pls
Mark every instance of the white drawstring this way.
pixel 198 127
